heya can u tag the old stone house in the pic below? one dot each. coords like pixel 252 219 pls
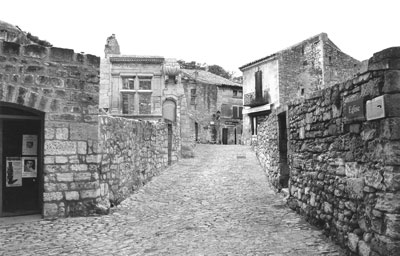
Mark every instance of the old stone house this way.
pixel 206 107
pixel 214 107
pixel 295 72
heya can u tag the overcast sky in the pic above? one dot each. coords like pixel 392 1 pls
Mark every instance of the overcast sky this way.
pixel 228 33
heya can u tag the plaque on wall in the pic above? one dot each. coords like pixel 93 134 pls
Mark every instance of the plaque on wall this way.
pixel 13 172
pixel 29 167
pixel 29 144
pixel 355 110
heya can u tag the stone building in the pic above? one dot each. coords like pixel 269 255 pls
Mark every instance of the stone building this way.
pixel 295 72
pixel 338 152
pixel 214 107
pixel 206 107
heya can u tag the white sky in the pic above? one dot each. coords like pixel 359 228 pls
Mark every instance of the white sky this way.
pixel 228 33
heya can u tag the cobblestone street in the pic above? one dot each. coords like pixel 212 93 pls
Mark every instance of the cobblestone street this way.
pixel 217 203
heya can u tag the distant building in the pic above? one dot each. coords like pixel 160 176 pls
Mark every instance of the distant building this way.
pixel 214 107
pixel 297 71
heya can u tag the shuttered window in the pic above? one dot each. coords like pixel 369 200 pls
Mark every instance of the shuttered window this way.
pixel 258 76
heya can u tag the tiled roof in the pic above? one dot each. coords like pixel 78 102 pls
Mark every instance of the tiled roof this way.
pixel 140 59
pixel 207 77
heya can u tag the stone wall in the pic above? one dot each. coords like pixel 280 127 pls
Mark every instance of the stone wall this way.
pixel 131 153
pixel 344 171
pixel 65 86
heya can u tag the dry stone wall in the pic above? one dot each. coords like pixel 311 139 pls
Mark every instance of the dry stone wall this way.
pixel 131 153
pixel 344 169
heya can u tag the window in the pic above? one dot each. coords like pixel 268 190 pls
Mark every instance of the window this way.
pixel 192 96
pixel 237 93
pixel 136 95
pixel 237 112
pixel 258 76
pixel 144 83
pixel 128 83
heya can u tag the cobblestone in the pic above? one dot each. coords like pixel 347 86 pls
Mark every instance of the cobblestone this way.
pixel 217 203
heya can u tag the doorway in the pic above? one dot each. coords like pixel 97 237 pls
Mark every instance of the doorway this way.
pixel 169 144
pixel 196 131
pixel 21 154
pixel 225 136
pixel 283 151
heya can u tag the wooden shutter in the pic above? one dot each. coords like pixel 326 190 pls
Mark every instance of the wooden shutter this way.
pixel 235 112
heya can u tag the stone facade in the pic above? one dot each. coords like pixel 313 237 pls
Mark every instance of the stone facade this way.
pixel 297 71
pixel 343 156
pixel 214 107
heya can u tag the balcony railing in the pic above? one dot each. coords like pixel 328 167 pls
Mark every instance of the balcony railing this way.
pixel 251 100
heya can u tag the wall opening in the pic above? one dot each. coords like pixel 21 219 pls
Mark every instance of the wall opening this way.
pixel 196 131
pixel 283 150
pixel 21 160
pixel 225 136
pixel 169 144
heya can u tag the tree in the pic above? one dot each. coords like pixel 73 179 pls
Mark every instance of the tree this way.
pixel 220 71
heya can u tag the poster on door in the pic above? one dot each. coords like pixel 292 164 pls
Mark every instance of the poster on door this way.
pixel 29 144
pixel 29 167
pixel 13 172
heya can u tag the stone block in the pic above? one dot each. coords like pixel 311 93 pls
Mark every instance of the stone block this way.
pixel 35 51
pixel 353 242
pixel 65 177
pixel 92 159
pixel 55 168
pixel 62 133
pixel 388 202
pixel 363 248
pixel 355 187
pixel 56 147
pixel 391 153
pixel 81 131
pixel 11 48
pixel 92 193
pixel 391 179
pixel 385 245
pixel 79 167
pixel 72 195
pixel 83 176
pixel 392 82
pixel 50 210
pixel 392 225
pixel 392 105
pixel 61 54
pixel 374 178
pixel 93 60
pixel 353 169
pixel 82 147
pixel 61 159
pixel 52 196
pixel 390 128
pixel 49 160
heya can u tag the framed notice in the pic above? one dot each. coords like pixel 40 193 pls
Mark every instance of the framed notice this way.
pixel 29 167
pixel 13 172
pixel 29 144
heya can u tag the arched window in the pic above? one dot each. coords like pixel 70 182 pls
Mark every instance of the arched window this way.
pixel 169 110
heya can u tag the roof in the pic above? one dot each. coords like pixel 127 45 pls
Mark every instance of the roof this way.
pixel 208 77
pixel 137 59
pixel 322 35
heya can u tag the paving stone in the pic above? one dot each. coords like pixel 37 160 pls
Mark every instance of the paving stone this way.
pixel 213 204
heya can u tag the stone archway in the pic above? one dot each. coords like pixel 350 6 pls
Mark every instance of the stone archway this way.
pixel 169 110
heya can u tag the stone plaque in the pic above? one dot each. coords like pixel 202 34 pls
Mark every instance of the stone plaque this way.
pixel 354 110
pixel 376 108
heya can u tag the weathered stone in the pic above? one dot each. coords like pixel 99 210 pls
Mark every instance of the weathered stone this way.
pixel 62 133
pixel 354 187
pixel 89 193
pixel 391 177
pixel 55 147
pixel 50 210
pixel 52 196
pixel 363 248
pixel 65 177
pixel 392 105
pixel 353 242
pixel 385 245
pixel 392 81
pixel 388 202
pixel 390 128
pixel 374 179
pixel 71 195
pixel 392 224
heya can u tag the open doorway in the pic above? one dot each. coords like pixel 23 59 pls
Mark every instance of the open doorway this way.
pixel 21 160
pixel 283 151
